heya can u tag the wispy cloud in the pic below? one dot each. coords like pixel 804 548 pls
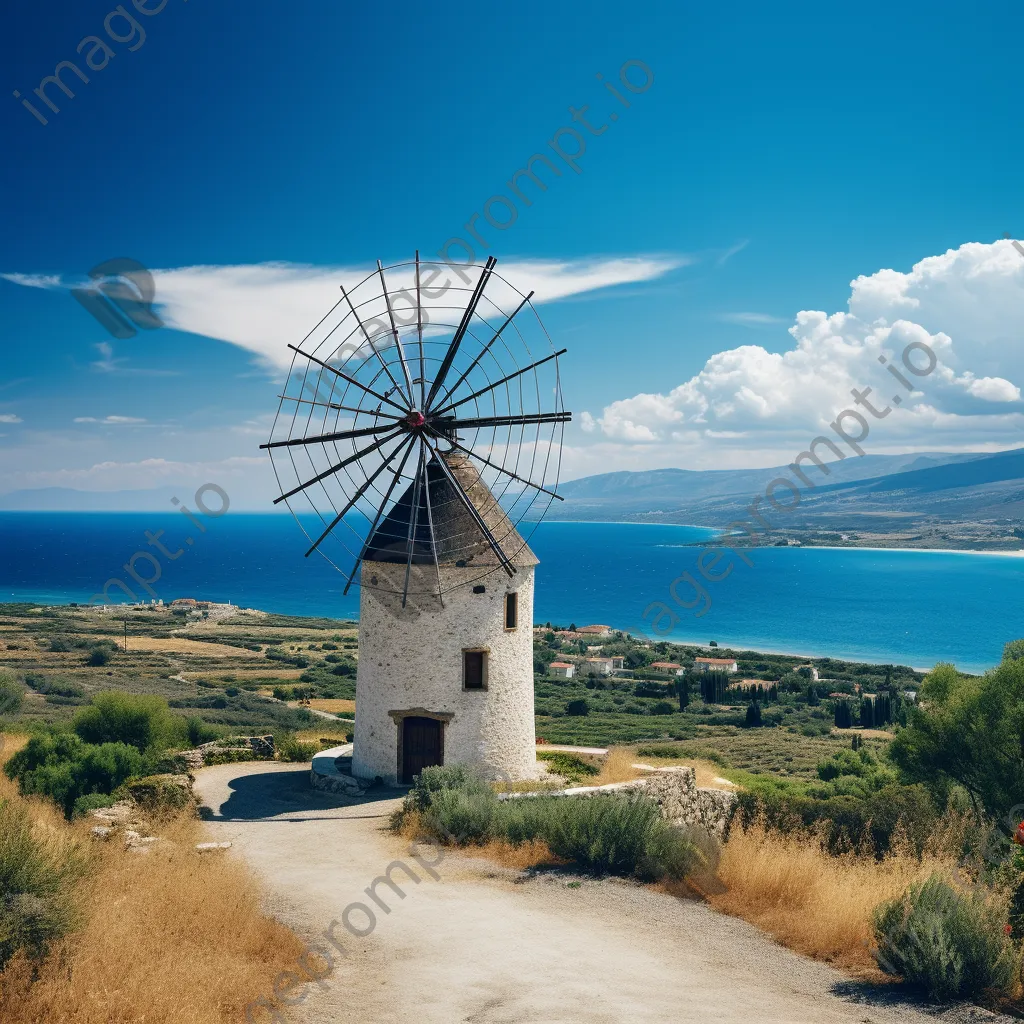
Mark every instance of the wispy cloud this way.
pixel 109 363
pixel 731 251
pixel 111 420
pixel 751 319
pixel 262 307
pixel 35 280
pixel 9 417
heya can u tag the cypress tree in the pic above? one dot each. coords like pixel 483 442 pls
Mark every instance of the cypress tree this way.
pixel 843 715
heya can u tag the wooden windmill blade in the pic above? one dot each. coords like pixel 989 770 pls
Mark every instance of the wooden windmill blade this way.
pixel 422 427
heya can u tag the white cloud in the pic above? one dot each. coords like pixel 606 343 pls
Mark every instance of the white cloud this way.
pixel 264 307
pixel 144 473
pixel 751 319
pixel 113 420
pixel 9 417
pixel 967 306
pixel 35 280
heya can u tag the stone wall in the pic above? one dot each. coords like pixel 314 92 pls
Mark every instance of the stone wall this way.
pixel 683 803
pixel 674 790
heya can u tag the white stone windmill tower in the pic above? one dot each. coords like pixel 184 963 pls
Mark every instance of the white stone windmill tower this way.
pixel 426 450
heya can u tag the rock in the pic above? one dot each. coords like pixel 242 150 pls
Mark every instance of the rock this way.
pixel 207 847
pixel 121 813
pixel 161 792
pixel 140 842
pixel 101 831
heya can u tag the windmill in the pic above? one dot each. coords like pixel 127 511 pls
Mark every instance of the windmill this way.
pixel 418 445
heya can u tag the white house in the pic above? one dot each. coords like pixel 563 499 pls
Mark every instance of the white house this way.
pixel 715 664
pixel 599 666
pixel 668 666
pixel 595 630
pixel 562 669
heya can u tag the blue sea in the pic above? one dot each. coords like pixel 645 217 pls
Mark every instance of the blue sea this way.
pixel 907 607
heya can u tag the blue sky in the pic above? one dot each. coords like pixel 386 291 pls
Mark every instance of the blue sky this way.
pixel 781 153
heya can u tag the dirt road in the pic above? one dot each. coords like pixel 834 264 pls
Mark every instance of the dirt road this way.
pixel 484 946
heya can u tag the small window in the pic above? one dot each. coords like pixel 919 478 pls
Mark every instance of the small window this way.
pixel 474 670
pixel 511 610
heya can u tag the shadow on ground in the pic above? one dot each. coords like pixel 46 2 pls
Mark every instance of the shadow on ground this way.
pixel 287 795
pixel 899 996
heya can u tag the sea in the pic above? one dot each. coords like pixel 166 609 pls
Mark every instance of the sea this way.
pixel 912 608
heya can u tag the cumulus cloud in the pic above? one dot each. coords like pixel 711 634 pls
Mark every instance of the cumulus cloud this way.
pixel 264 307
pixel 965 306
pixel 9 417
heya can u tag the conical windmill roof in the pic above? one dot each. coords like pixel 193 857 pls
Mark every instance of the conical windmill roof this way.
pixel 457 538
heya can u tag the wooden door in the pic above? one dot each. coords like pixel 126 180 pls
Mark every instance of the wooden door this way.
pixel 421 745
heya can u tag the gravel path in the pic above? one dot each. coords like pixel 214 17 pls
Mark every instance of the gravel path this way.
pixel 483 945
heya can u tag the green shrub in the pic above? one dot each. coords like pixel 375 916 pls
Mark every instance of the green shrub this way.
pixel 291 749
pixel 577 707
pixel 437 778
pixel 865 824
pixel 663 707
pixel 144 722
pixel 953 944
pixel 198 732
pixel 158 793
pixel 605 833
pixel 37 875
pixel 618 835
pixel 91 802
pixel 232 755
pixel 571 767
pixel 60 766
pixel 460 816
pixel 98 657
pixel 11 694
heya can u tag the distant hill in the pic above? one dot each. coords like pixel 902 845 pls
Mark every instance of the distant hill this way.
pixel 880 491
pixel 67 499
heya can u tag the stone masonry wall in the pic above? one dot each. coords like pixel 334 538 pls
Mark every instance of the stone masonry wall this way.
pixel 675 791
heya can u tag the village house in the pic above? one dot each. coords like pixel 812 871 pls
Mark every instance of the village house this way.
pixel 562 669
pixel 715 664
pixel 669 667
pixel 599 666
pixel 595 630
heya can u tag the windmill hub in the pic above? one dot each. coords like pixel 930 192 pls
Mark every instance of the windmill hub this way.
pixel 415 420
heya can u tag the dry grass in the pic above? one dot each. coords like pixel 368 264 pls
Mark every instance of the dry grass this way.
pixel 617 767
pixel 708 774
pixel 328 732
pixel 10 744
pixel 812 902
pixel 168 937
pixel 520 858
pixel 271 671
pixel 332 706
pixel 180 645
